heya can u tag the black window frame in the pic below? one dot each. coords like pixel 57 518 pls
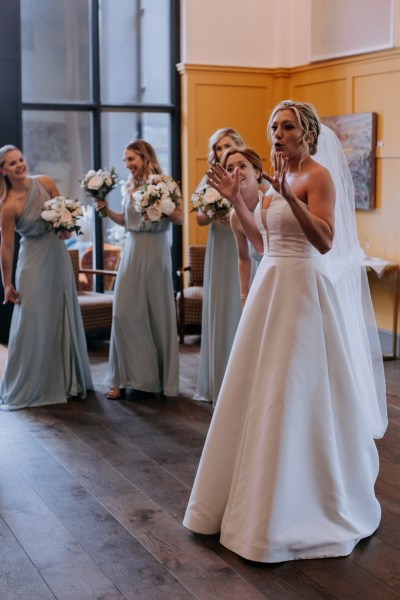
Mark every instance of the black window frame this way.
pixel 96 108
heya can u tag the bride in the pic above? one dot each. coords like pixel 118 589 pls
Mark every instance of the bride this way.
pixel 289 464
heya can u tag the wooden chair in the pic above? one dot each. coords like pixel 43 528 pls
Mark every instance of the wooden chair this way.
pixel 111 258
pixel 189 299
pixel 96 307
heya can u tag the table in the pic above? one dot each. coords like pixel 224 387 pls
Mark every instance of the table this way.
pixel 384 268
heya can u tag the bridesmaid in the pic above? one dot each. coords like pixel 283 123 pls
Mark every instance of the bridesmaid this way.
pixel 47 359
pixel 221 302
pixel 144 345
pixel 252 188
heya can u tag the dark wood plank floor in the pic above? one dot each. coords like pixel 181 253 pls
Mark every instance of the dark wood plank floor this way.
pixel 92 495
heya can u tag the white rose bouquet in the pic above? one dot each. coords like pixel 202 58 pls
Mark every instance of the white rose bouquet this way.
pixel 210 202
pixel 157 198
pixel 99 183
pixel 60 215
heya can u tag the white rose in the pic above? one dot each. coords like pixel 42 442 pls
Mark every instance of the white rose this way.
pixel 108 181
pixel 154 213
pixel 210 196
pixel 166 205
pixel 66 217
pixel 171 185
pixel 163 187
pixel 152 189
pixel 49 215
pixel 95 182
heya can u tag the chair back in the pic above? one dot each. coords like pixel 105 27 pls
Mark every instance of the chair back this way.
pixel 196 255
pixel 74 256
pixel 111 258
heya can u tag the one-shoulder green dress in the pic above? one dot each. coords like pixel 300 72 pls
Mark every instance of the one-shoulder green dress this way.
pixel 47 359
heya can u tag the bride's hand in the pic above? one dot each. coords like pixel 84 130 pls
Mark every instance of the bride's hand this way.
pixel 278 180
pixel 225 183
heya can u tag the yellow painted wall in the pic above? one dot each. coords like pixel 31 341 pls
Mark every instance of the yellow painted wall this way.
pixel 214 97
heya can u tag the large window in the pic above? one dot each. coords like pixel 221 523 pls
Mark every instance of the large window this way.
pixel 95 75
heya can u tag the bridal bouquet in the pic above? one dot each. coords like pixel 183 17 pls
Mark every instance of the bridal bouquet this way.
pixel 210 202
pixel 60 215
pixel 157 198
pixel 99 183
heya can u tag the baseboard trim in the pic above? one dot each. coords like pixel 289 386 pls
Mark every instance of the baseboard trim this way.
pixel 386 340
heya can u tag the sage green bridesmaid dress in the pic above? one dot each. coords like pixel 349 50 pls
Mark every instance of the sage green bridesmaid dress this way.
pixel 47 360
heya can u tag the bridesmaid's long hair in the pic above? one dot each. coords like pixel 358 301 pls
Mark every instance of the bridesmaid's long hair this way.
pixel 4 181
pixel 148 155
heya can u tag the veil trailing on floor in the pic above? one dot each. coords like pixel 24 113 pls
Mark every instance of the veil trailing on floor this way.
pixel 344 264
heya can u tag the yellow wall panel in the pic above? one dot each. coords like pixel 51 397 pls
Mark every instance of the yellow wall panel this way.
pixel 374 92
pixel 214 98
pixel 328 97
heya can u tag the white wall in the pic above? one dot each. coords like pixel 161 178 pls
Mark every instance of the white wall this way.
pixel 252 33
pixel 245 33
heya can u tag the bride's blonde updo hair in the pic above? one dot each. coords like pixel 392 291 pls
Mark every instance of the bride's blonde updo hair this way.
pixel 4 182
pixel 148 155
pixel 308 120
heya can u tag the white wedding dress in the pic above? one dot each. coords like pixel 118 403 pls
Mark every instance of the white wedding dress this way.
pixel 289 464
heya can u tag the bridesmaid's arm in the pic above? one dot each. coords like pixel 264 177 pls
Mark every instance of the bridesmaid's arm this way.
pixel 203 219
pixel 245 263
pixel 49 185
pixel 7 254
pixel 177 216
pixel 118 218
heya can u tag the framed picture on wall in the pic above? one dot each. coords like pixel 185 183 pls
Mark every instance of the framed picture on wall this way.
pixel 357 134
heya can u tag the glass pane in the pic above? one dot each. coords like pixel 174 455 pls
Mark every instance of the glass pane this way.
pixel 55 50
pixel 57 143
pixel 118 129
pixel 141 72
pixel 155 51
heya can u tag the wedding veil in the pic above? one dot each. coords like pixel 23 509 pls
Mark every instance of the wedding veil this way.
pixel 344 263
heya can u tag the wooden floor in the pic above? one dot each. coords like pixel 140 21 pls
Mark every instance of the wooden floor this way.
pixel 92 495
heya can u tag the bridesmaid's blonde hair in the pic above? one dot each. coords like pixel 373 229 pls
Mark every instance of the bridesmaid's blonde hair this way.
pixel 216 136
pixel 4 182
